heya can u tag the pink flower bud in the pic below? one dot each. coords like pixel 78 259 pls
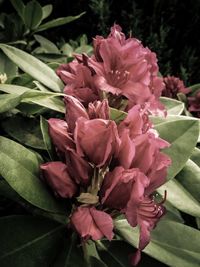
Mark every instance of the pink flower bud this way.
pixel 97 140
pixel 61 138
pixel 56 175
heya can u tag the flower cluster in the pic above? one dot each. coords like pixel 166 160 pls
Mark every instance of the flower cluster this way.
pixel 121 69
pixel 107 169
pixel 173 86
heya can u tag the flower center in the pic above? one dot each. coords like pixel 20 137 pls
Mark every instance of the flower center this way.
pixel 118 78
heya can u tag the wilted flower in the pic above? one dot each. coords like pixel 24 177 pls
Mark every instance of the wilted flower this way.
pixel 173 86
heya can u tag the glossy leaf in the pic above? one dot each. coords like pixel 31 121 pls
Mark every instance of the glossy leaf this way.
pixel 189 177
pixel 8 102
pixel 173 106
pixel 20 168
pixel 173 243
pixel 180 198
pixel 29 241
pixel 25 130
pixel 34 67
pixel 57 22
pixel 33 14
pixel 46 138
pixel 46 11
pixel 182 135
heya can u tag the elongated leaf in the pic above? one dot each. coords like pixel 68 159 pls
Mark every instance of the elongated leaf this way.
pixel 13 89
pixel 71 254
pixel 44 99
pixel 7 66
pixel 196 156
pixel 182 135
pixel 33 14
pixel 117 254
pixel 34 67
pixel 19 7
pixel 25 130
pixel 189 177
pixel 29 241
pixel 46 11
pixel 8 102
pixel 180 198
pixel 168 243
pixel 91 255
pixel 20 168
pixel 46 45
pixel 173 107
pixel 57 22
pixel 46 138
pixel 194 88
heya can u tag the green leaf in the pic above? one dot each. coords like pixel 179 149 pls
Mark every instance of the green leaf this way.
pixel 13 89
pixel 46 11
pixel 196 156
pixel 172 243
pixel 71 254
pixel 189 177
pixel 180 198
pixel 173 107
pixel 19 7
pixel 117 254
pixel 91 255
pixel 8 102
pixel 34 67
pixel 29 241
pixel 57 22
pixel 20 168
pixel 33 15
pixel 46 138
pixel 44 99
pixel 7 66
pixel 117 115
pixel 182 135
pixel 25 130
pixel 194 88
pixel 47 45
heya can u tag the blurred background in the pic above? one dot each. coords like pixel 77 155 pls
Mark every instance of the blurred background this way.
pixel 169 28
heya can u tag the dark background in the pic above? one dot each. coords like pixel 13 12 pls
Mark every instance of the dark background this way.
pixel 170 28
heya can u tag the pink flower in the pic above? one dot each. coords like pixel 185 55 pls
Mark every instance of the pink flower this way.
pixel 59 133
pixel 79 82
pixel 96 139
pixel 99 109
pixel 194 104
pixel 119 67
pixel 125 67
pixel 56 175
pixel 173 86
pixel 74 110
pixel 92 223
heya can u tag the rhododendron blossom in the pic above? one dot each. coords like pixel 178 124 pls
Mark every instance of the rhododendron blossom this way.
pixel 107 168
pixel 121 68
